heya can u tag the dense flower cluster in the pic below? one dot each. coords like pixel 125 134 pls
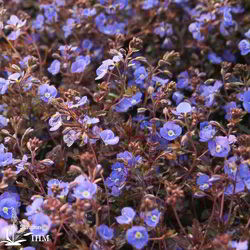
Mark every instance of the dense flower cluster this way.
pixel 125 124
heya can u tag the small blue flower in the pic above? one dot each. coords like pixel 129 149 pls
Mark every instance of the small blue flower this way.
pixel 207 131
pixel 3 121
pixel 213 58
pixel 80 101
pixel 228 108
pixel 137 236
pixel 3 85
pixel 85 190
pixel 219 146
pixel 246 101
pixel 87 44
pixel 9 204
pixel 234 189
pixel 194 28
pixel 182 80
pixel 89 12
pixel 38 23
pixel 109 137
pixel 129 158
pixel 127 216
pixel 50 12
pixel 21 163
pixel 34 208
pixel 54 68
pixel 70 136
pixel 177 97
pixel 203 182
pixel 47 92
pixel 151 218
pixel 57 188
pixel 55 121
pixel 105 232
pixel 165 29
pixel 170 131
pixel 68 27
pixel 6 159
pixel 244 46
pixel 183 108
pixel 241 245
pixel 149 4
pixel 41 224
pixel 140 75
pixel 80 64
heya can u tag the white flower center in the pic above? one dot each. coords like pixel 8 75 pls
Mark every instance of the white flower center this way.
pixel 138 235
pixel 47 95
pixel 85 194
pixel 218 148
pixel 171 132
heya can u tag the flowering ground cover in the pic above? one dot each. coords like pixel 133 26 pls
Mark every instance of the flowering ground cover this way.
pixel 125 124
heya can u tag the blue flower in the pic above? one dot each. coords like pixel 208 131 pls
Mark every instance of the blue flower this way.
pixel 182 80
pixel 207 131
pixel 234 189
pixel 5 159
pixel 80 101
pixel 140 75
pixel 47 92
pixel 128 102
pixel 183 108
pixel 177 97
pixel 54 68
pixel 89 12
pixel 219 146
pixel 85 190
pixel 244 46
pixel 57 188
pixel 68 27
pixel 3 86
pixel 228 108
pixel 246 101
pixel 87 44
pixel 137 236
pixel 21 163
pixel 170 131
pixel 9 205
pixel 55 121
pixel 127 216
pixel 165 29
pixel 109 137
pixel 38 23
pixel 41 224
pixel 106 65
pixel 29 248
pixel 88 120
pixel 149 4
pixel 151 218
pixel 194 28
pixel 241 245
pixel 50 12
pixel 213 58
pixel 80 64
pixel 105 232
pixel 128 158
pixel 203 182
pixel 34 208
pixel 3 121
pixel 70 136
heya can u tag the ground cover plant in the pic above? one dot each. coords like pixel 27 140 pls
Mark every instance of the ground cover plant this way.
pixel 125 124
